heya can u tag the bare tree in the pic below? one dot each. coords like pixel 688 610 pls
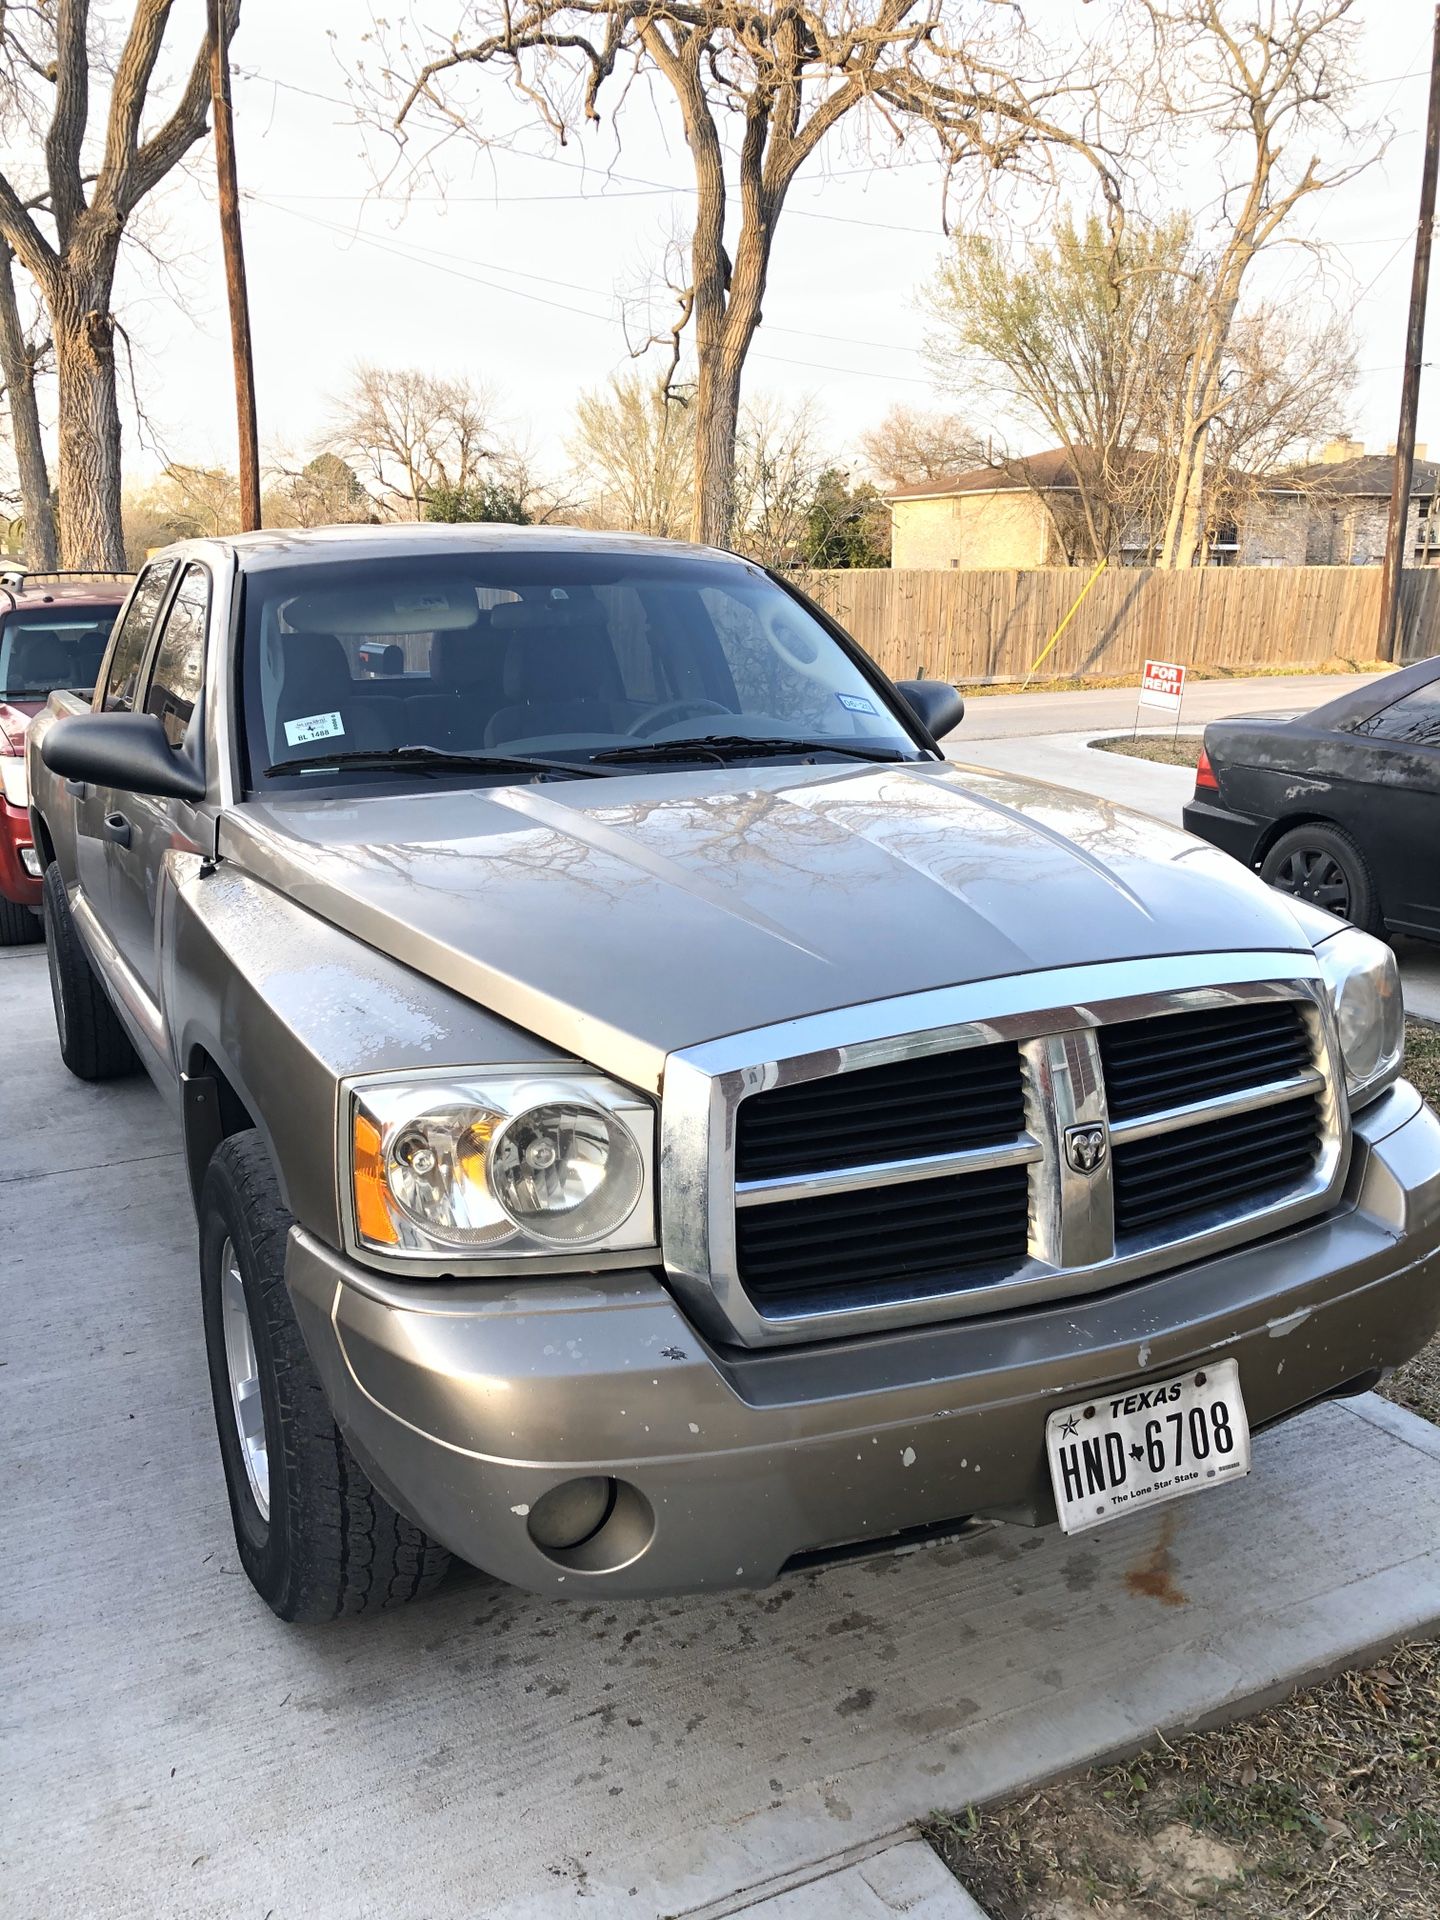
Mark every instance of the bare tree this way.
pixel 22 350
pixel 413 434
pixel 324 492
pixel 1288 384
pixel 914 443
pixel 779 466
pixel 1081 334
pixel 634 446
pixel 1264 78
pixel 783 77
pixel 66 222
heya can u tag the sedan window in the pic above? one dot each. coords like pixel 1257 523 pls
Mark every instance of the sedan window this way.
pixel 1413 721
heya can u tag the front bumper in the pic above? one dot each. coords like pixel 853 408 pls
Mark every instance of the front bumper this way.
pixel 16 883
pixel 467 1403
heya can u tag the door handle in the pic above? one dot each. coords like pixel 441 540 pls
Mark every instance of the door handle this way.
pixel 117 828
pixel 77 789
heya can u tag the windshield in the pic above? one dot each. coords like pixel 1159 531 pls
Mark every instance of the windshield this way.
pixel 52 647
pixel 557 655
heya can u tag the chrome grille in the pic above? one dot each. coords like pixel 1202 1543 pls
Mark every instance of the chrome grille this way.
pixel 1198 1056
pixel 826 1189
pixel 1244 1157
pixel 939 1103
pixel 814 1253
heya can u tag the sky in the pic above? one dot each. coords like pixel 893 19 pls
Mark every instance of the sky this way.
pixel 512 269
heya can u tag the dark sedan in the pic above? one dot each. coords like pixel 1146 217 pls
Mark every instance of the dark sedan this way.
pixel 1340 806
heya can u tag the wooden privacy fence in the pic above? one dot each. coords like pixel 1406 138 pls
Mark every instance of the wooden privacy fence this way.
pixel 962 625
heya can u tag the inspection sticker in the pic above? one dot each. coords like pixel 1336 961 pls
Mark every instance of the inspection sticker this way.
pixel 853 703
pixel 314 726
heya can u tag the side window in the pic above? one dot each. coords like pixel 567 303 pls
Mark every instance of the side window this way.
pixel 127 654
pixel 1413 721
pixel 180 657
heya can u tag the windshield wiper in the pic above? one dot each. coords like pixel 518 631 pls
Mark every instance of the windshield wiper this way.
pixel 437 760
pixel 739 746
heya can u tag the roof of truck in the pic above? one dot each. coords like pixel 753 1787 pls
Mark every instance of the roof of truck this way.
pixel 284 546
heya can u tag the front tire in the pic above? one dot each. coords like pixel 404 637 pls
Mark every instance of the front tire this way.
pixel 1320 863
pixel 314 1536
pixel 93 1044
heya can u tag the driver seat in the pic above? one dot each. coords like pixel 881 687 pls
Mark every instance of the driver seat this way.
pixel 560 677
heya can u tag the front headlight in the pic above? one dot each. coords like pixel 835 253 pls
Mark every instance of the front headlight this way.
pixel 1364 984
pixel 12 779
pixel 500 1164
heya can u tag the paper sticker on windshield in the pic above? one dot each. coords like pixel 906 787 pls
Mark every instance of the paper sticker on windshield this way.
pixel 421 603
pixel 314 726
pixel 853 703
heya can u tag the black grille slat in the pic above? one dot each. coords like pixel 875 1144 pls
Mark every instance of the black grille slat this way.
pixel 1179 1057
pixel 848 1243
pixel 1242 1157
pixel 936 1103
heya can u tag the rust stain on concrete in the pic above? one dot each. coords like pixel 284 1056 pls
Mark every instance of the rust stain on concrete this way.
pixel 1154 1577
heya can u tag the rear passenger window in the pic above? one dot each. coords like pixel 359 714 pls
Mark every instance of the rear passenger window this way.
pixel 1415 720
pixel 180 657
pixel 127 655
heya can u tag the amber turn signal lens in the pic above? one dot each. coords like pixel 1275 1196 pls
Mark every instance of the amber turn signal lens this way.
pixel 372 1214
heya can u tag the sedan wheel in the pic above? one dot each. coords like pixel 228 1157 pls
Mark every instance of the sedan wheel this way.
pixel 1322 864
pixel 1316 876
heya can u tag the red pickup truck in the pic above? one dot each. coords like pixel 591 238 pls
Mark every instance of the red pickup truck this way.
pixel 53 629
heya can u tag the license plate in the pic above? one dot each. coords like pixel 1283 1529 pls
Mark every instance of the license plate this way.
pixel 1133 1447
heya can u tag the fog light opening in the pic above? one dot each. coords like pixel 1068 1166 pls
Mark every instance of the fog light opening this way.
pixel 594 1524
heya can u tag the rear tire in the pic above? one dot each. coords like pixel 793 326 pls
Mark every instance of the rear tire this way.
pixel 1322 864
pixel 93 1044
pixel 19 926
pixel 314 1536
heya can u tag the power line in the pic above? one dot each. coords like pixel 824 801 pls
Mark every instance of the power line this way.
pixel 416 257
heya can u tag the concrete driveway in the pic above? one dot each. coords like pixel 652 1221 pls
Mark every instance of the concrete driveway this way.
pixel 172 1751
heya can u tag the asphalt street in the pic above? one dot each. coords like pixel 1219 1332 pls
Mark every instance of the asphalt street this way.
pixel 1003 716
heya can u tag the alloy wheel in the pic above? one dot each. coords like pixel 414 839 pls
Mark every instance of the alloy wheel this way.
pixel 243 1373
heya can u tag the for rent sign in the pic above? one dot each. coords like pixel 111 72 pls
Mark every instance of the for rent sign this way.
pixel 1162 685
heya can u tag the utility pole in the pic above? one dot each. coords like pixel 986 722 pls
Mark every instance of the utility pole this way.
pixel 249 434
pixel 1410 380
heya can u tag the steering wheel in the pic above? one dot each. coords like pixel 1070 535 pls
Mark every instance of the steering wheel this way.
pixel 650 723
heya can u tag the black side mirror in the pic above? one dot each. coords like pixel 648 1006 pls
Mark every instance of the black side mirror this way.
pixel 937 705
pixel 124 750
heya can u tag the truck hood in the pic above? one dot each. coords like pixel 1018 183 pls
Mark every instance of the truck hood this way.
pixel 620 919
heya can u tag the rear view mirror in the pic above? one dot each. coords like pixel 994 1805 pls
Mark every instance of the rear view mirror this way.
pixel 937 705
pixel 124 750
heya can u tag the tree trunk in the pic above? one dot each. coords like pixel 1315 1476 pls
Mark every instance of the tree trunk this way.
pixel 89 463
pixel 18 371
pixel 717 419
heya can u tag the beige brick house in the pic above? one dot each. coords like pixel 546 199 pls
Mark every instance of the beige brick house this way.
pixel 1330 513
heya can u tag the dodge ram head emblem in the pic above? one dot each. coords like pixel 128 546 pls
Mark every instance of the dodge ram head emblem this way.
pixel 1086 1147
